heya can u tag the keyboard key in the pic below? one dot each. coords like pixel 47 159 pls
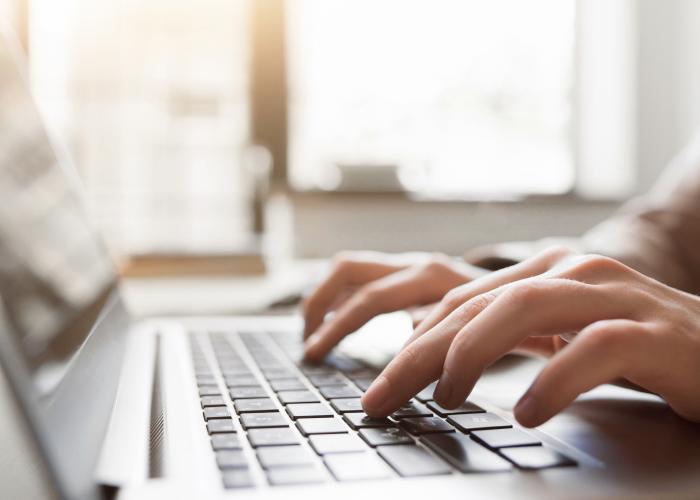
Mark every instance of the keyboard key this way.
pixel 257 420
pixel 287 397
pixel 339 391
pixel 465 454
pixel 426 394
pixel 362 421
pixel 536 457
pixel 411 460
pixel 295 475
pixel 247 392
pixel 466 407
pixel 386 436
pixel 344 363
pixel 219 425
pixel 227 441
pixel 254 405
pixel 477 421
pixel 283 456
pixel 357 466
pixel 309 370
pixel 287 384
pixel 216 412
pixel 206 380
pixel 237 478
pixel 278 373
pixel 412 409
pixel 209 390
pixel 231 459
pixel 308 410
pixel 425 425
pixel 336 443
pixel 235 371
pixel 347 405
pixel 208 401
pixel 241 381
pixel 363 382
pixel 272 437
pixel 327 379
pixel 500 438
pixel 309 426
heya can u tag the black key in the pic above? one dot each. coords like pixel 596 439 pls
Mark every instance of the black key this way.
pixel 247 392
pixel 410 460
pixel 272 437
pixel 309 426
pixel 412 409
pixel 237 478
pixel 464 454
pixel 347 405
pixel 466 407
pixel 363 383
pixel 205 380
pixel 278 373
pixel 386 436
pixel 287 397
pixel 308 410
pixel 258 420
pixel 362 421
pixel 227 441
pixel 357 466
pixel 218 426
pixel 241 381
pixel 216 412
pixel 425 425
pixel 254 405
pixel 208 401
pixel 336 443
pixel 316 369
pixel 287 384
pixel 235 371
pixel 209 390
pixel 327 379
pixel 536 457
pixel 231 459
pixel 501 438
pixel 294 475
pixel 283 456
pixel 344 364
pixel 339 391
pixel 426 394
pixel 477 421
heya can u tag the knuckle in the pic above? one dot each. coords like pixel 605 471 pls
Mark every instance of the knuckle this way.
pixel 454 298
pixel 343 259
pixel 523 294
pixel 594 263
pixel 474 306
pixel 410 356
pixel 555 253
pixel 437 263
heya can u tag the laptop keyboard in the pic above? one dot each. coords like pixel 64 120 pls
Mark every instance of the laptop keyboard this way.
pixel 306 425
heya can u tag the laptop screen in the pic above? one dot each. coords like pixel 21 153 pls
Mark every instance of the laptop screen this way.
pixel 54 271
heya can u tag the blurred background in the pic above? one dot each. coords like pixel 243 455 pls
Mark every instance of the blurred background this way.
pixel 375 124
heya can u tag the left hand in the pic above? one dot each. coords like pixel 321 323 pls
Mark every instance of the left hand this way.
pixel 627 325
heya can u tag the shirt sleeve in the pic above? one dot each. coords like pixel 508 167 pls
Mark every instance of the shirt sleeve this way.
pixel 659 233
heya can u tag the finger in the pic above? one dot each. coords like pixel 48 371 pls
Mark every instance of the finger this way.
pixel 530 307
pixel 531 267
pixel 346 273
pixel 394 292
pixel 420 362
pixel 598 355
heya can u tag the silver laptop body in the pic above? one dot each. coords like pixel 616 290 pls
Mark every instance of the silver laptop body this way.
pixel 96 404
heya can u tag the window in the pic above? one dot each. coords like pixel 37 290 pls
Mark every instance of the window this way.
pixel 471 97
pixel 153 98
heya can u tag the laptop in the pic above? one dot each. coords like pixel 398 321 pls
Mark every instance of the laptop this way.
pixel 96 404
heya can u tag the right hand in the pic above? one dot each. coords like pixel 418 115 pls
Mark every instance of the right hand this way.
pixel 362 285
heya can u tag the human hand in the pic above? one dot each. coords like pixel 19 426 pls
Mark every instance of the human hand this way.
pixel 362 285
pixel 627 326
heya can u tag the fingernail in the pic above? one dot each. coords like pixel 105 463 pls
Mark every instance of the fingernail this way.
pixel 376 396
pixel 443 391
pixel 526 410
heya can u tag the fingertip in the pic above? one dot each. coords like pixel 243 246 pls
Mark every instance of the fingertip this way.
pixel 376 399
pixel 527 411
